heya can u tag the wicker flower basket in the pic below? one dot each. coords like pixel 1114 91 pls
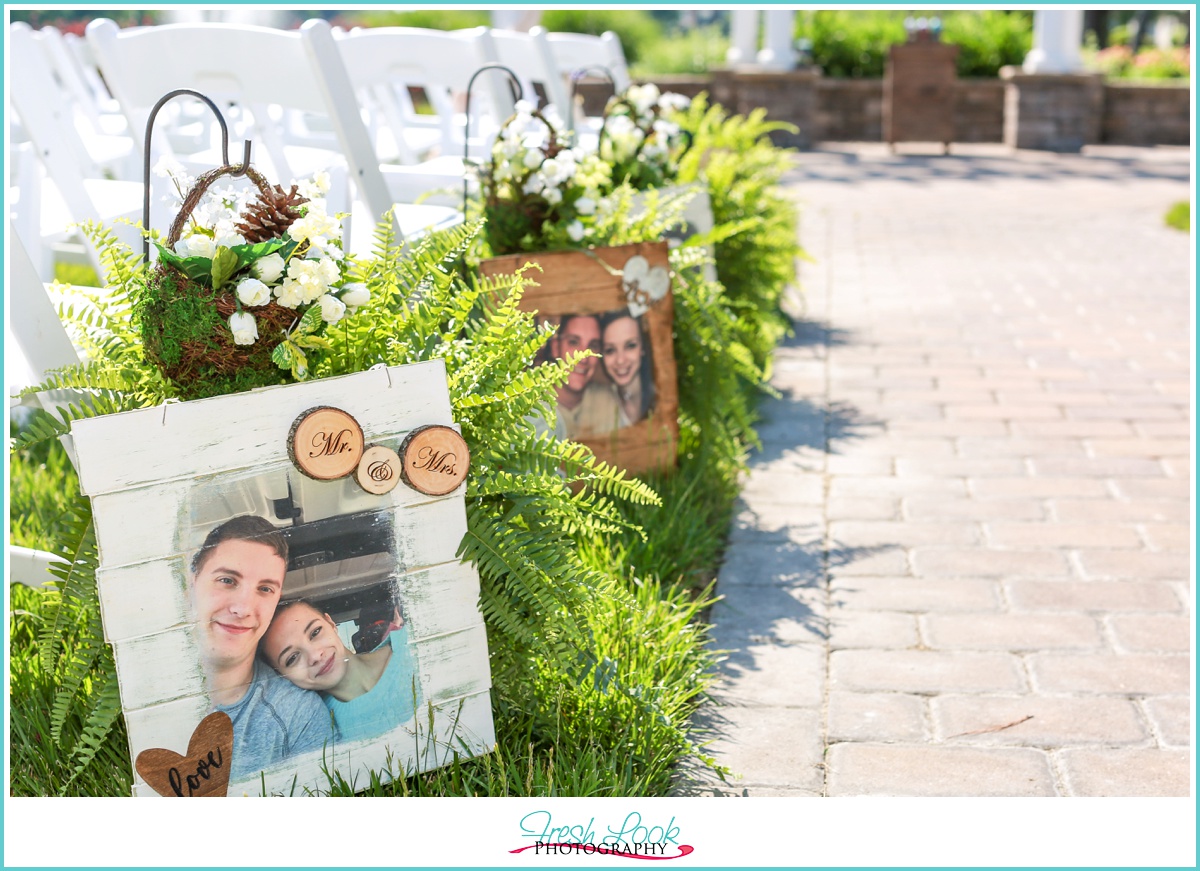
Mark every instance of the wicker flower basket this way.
pixel 185 322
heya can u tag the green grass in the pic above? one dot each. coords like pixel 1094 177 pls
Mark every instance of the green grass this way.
pixel 1179 216
pixel 76 273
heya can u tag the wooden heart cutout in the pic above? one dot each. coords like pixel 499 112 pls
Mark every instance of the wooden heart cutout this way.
pixel 642 285
pixel 204 771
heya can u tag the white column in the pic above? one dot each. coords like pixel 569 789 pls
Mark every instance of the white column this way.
pixel 777 52
pixel 743 42
pixel 1057 36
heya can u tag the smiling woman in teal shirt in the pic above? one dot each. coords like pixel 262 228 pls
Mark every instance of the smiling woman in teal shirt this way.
pixel 369 693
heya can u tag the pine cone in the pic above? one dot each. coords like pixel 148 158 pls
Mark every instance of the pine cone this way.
pixel 271 214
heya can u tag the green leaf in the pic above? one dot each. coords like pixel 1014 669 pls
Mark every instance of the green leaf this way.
pixel 283 355
pixel 247 254
pixel 224 264
pixel 196 268
pixel 310 321
pixel 299 363
pixel 309 341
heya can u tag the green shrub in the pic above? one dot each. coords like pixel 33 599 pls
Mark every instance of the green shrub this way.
pixel 1179 216
pixel 691 51
pixel 854 43
pixel 433 19
pixel 638 30
pixel 1119 62
pixel 988 39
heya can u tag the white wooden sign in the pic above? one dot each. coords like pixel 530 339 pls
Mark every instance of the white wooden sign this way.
pixel 332 623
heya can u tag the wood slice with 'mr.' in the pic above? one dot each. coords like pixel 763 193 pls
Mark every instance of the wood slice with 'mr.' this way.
pixel 434 460
pixel 326 443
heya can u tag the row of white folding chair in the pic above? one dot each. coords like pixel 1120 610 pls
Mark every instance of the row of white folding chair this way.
pixel 56 182
pixel 263 70
pixel 35 343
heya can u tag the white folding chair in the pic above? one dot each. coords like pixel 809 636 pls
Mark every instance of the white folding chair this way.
pixel 29 567
pixel 36 342
pixel 383 63
pixel 527 57
pixel 105 135
pixel 66 187
pixel 571 54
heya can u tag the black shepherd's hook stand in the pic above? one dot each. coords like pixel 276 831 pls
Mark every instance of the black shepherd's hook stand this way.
pixel 518 93
pixel 241 170
pixel 577 74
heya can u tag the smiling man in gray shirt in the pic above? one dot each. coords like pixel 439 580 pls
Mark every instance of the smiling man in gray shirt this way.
pixel 237 579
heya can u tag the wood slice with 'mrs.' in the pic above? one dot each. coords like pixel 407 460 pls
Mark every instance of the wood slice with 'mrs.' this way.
pixel 326 443
pixel 203 771
pixel 434 460
pixel 379 470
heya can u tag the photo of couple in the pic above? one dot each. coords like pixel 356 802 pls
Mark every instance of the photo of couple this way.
pixel 301 638
pixel 606 393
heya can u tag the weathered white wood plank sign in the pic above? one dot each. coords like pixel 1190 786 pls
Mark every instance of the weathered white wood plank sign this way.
pixel 327 617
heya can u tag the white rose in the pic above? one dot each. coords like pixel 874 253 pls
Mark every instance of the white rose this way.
pixel 332 308
pixel 229 238
pixel 243 327
pixel 356 294
pixel 575 231
pixel 269 268
pixel 534 184
pixel 196 245
pixel 552 195
pixel 533 159
pixel 585 205
pixel 671 100
pixel 251 291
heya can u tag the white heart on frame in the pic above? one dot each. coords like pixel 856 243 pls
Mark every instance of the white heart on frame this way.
pixel 642 285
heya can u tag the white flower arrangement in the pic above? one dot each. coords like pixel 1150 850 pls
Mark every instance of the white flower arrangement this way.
pixel 641 139
pixel 540 192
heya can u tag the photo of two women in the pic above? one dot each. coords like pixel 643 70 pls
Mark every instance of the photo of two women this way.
pixel 609 392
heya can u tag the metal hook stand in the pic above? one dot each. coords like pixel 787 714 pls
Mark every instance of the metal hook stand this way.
pixel 577 74
pixel 518 93
pixel 241 170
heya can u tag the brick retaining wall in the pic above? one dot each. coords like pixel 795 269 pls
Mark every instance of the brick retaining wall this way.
pixel 851 110
pixel 1146 115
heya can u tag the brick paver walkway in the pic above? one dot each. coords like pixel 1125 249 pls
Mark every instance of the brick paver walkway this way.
pixel 961 566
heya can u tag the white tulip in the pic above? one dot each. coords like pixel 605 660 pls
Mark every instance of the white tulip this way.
pixel 243 327
pixel 253 292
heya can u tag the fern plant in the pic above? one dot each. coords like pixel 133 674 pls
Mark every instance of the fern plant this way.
pixel 534 504
pixel 756 256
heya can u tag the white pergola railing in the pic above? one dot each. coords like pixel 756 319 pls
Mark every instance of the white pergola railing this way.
pixel 1057 37
pixel 778 51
